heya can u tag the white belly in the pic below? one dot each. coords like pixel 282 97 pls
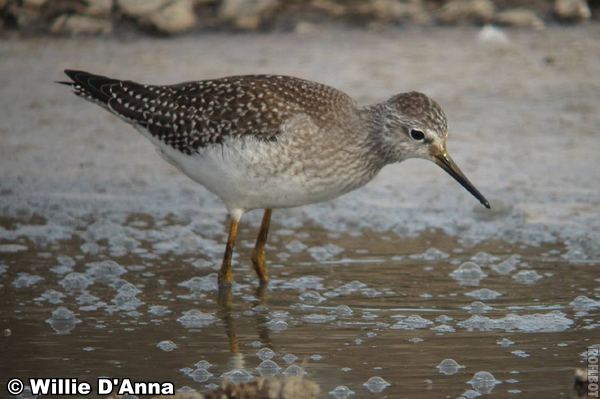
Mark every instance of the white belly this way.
pixel 250 174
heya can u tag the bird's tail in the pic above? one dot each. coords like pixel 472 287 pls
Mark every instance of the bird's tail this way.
pixel 89 86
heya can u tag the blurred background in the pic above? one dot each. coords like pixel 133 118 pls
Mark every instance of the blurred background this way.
pixel 404 288
pixel 169 17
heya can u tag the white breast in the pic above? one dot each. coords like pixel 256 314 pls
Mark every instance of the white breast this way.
pixel 249 174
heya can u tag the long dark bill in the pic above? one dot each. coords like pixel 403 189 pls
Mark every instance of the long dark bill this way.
pixel 446 163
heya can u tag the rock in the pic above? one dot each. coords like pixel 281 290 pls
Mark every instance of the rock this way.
pixel 394 10
pixel 460 11
pixel 140 8
pixel 247 14
pixel 175 18
pixel 34 4
pixel 27 16
pixel 329 7
pixel 572 10
pixel 98 8
pixel 519 17
pixel 167 16
pixel 80 25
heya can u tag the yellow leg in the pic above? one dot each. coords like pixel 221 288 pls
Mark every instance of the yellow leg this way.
pixel 259 260
pixel 226 274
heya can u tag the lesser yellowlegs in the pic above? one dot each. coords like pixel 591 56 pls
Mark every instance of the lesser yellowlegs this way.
pixel 269 141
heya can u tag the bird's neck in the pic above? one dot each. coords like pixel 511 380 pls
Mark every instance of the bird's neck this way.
pixel 375 118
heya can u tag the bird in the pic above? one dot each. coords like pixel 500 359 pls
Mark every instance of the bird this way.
pixel 274 141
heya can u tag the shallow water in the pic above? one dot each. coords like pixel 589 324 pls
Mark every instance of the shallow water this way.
pixel 371 305
pixel 108 254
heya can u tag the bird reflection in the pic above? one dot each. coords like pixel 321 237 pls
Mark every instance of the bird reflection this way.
pixel 226 314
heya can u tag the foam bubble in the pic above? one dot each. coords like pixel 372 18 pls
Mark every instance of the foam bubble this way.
pixel 237 376
pixel 484 294
pixel 26 280
pixel 449 367
pixel 167 345
pixel 483 382
pixel 341 392
pixel 554 321
pixel 468 273
pixel 196 319
pixel 376 384
pixel 412 322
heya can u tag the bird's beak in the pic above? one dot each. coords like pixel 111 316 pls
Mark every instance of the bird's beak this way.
pixel 445 162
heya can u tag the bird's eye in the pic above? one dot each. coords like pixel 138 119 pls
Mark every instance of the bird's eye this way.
pixel 417 134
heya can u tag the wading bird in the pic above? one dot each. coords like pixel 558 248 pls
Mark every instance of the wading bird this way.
pixel 269 141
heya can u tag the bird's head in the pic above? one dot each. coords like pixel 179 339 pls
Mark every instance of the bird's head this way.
pixel 414 126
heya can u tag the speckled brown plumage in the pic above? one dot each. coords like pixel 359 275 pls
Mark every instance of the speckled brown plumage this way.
pixel 192 115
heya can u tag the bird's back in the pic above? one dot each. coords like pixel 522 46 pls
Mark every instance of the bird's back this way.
pixel 193 115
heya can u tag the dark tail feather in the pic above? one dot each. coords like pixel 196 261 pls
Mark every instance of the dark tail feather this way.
pixel 86 84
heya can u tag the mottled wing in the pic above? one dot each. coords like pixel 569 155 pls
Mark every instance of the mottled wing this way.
pixel 193 115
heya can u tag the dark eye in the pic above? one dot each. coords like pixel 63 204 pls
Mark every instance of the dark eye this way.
pixel 417 134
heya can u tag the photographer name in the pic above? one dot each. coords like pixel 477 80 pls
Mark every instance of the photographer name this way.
pixel 105 386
